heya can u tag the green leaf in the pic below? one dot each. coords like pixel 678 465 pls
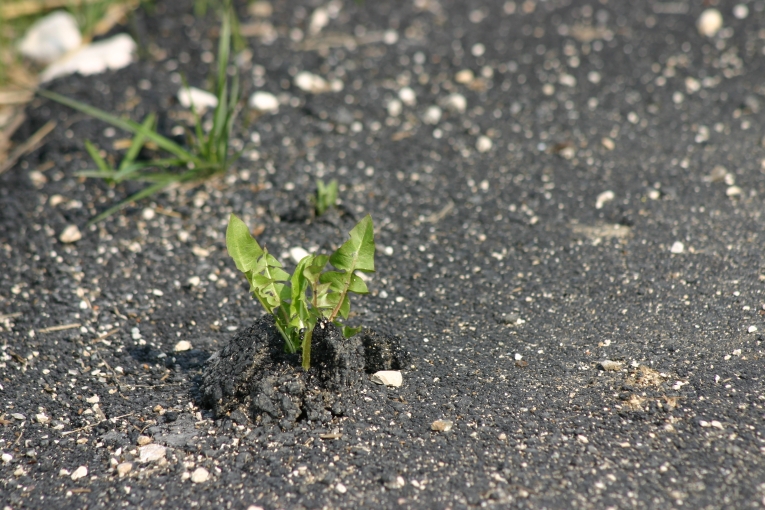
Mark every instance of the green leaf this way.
pixel 242 247
pixel 347 330
pixel 358 253
pixel 138 141
pixel 97 159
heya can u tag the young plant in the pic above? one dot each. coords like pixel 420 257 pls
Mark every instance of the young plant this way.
pixel 300 300
pixel 326 196
pixel 207 153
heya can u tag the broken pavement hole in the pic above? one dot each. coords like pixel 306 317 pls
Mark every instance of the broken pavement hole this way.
pixel 253 374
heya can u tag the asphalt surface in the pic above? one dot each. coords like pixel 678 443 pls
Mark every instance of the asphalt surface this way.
pixel 598 199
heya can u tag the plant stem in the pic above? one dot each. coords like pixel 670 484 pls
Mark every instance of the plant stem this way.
pixel 307 336
pixel 342 298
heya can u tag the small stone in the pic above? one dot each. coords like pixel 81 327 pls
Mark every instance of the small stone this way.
pixel 297 254
pixel 309 82
pixel 200 252
pixel 319 20
pixel 582 439
pixel 143 440
pixel 455 103
pixel 38 178
pixel 484 144
pixel 107 54
pixel 80 472
pixel 388 378
pixel 567 80
pixel 19 471
pixel 42 418
pixel 193 281
pixel 432 115
pixel 6 458
pixel 716 424
pixel 201 99
pixel 95 399
pixel 408 96
pixel 441 425
pixel 733 191
pixel 717 174
pixel 464 77
pixel 71 234
pixel 394 108
pixel 182 346
pixel 340 488
pixel 124 468
pixel 148 214
pixel 151 452
pixel 18 416
pixel 710 22
pixel 752 329
pixel 260 9
pixel 608 143
pixel 610 366
pixel 677 247
pixel 51 37
pixel 604 197
pixel 200 475
pixel 741 11
pixel 264 102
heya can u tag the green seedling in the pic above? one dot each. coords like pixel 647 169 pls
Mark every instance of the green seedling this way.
pixel 300 300
pixel 206 154
pixel 326 196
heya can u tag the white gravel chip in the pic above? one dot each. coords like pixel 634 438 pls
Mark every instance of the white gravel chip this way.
pixel 394 107
pixel 733 191
pixel 315 84
pixel 710 22
pixel 610 366
pixel 201 99
pixel 464 77
pixel 51 37
pixel 18 416
pixel 408 96
pixel 193 281
pixel 388 378
pixel 441 425
pixel 264 102
pixel 455 103
pixel 484 144
pixel 741 11
pixel 677 247
pixel 182 346
pixel 42 418
pixel 95 58
pixel 340 488
pixel 603 198
pixel 297 254
pixel 6 458
pixel 151 452
pixel 71 234
pixel 752 329
pixel 432 115
pixel 80 472
pixel 200 475
pixel 93 400
pixel 124 468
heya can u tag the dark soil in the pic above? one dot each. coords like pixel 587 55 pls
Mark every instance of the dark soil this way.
pixel 253 374
pixel 506 271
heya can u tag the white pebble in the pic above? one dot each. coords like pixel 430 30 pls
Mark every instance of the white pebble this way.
pixel 309 82
pixel 6 458
pixel 752 329
pixel 124 468
pixel 604 197
pixel 390 37
pixel 264 102
pixel 567 80
pixel 297 254
pixel 394 107
pixel 200 475
pixel 151 452
pixel 113 53
pixel 483 144
pixel 182 346
pixel 740 11
pixel 594 77
pixel 319 20
pixel 51 37
pixel 408 96
pixel 193 281
pixel 608 143
pixel 692 85
pixel 441 426
pixel 478 50
pixel 148 214
pixel 201 99
pixel 42 418
pixel 71 234
pixel 518 356
pixel 610 366
pixel 95 399
pixel 710 22
pixel 388 378
pixel 340 488
pixel 733 191
pixel 455 103
pixel 80 472
pixel 432 115
pixel 464 77
pixel 677 247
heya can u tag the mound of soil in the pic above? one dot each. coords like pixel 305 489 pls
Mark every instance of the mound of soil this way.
pixel 252 373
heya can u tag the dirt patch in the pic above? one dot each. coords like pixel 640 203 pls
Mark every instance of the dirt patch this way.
pixel 252 373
